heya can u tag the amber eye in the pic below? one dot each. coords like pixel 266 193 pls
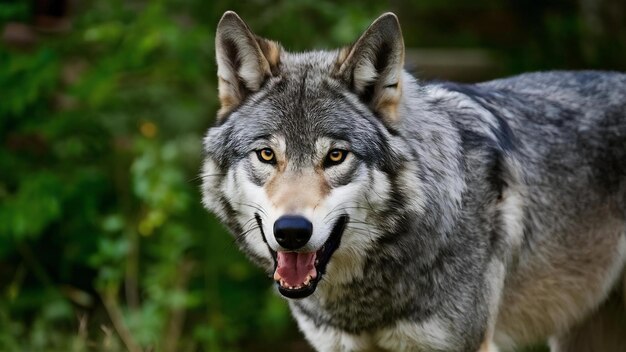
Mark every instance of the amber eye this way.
pixel 266 155
pixel 335 156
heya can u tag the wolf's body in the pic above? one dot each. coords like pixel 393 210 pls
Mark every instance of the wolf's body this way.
pixel 464 217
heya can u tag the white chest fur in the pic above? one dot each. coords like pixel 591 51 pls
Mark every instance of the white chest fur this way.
pixel 403 336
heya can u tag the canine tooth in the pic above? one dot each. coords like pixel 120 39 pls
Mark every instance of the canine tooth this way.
pixel 276 276
pixel 307 280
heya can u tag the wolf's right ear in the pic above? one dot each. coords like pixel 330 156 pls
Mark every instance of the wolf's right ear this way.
pixel 244 61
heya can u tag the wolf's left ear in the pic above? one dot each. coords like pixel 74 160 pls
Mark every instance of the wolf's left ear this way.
pixel 244 61
pixel 372 66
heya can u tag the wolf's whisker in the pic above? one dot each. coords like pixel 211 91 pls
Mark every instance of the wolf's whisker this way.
pixel 241 236
pixel 257 207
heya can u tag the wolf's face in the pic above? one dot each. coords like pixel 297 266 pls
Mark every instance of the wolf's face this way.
pixel 298 163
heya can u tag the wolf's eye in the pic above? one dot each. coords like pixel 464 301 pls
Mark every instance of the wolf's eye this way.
pixel 335 157
pixel 266 155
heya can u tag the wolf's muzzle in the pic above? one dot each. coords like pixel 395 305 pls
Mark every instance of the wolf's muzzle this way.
pixel 292 231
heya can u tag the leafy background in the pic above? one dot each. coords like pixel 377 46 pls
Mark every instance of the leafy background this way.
pixel 103 242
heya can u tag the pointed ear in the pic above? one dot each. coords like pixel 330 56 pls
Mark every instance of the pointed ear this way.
pixel 372 67
pixel 244 61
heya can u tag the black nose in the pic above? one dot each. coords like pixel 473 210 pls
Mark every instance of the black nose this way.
pixel 292 231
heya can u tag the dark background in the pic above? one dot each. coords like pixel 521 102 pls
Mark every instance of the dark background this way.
pixel 103 104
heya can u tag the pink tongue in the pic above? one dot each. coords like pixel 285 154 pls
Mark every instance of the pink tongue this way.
pixel 294 267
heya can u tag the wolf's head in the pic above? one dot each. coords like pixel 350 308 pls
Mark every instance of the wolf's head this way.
pixel 299 164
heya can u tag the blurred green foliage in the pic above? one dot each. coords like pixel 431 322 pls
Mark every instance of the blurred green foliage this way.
pixel 104 244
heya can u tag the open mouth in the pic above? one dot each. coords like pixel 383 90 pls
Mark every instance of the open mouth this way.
pixel 298 273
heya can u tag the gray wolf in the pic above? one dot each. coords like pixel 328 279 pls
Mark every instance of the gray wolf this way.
pixel 400 215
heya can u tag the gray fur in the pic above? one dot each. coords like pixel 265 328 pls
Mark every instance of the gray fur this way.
pixel 455 158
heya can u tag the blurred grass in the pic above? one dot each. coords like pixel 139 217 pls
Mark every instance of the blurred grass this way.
pixel 103 242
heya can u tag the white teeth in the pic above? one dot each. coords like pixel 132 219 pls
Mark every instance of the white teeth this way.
pixel 306 282
pixel 276 276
